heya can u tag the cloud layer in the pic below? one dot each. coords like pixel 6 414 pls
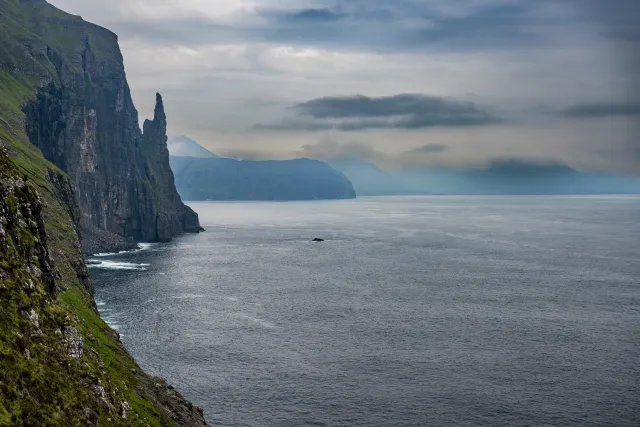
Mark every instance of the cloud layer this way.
pixel 404 111
pixel 601 110
pixel 483 78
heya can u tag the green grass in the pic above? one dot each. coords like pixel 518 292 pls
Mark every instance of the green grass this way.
pixel 43 388
pixel 47 389
pixel 19 21
pixel 122 368
pixel 50 388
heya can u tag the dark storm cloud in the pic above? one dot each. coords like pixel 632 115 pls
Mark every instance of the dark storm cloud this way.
pixel 397 26
pixel 371 25
pixel 403 104
pixel 403 25
pixel 624 34
pixel 433 148
pixel 577 57
pixel 601 110
pixel 312 15
pixel 404 111
pixel 500 26
pixel 612 13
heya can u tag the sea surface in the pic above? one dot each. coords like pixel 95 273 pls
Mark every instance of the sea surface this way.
pixel 415 311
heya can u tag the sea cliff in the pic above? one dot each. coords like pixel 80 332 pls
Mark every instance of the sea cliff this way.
pixel 76 174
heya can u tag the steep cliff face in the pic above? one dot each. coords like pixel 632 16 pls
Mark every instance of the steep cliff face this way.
pixel 84 121
pixel 60 364
pixel 171 215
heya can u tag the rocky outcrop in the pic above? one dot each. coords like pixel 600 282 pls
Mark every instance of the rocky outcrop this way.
pixel 84 121
pixel 171 216
pixel 23 239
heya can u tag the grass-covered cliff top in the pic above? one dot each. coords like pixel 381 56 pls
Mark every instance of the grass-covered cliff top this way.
pixel 38 21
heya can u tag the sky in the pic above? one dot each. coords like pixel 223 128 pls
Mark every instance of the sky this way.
pixel 400 83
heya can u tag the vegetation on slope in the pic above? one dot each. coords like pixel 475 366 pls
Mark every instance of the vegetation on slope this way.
pixel 61 364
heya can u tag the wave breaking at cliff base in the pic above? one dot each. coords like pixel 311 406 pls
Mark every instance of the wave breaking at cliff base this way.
pixel 116 265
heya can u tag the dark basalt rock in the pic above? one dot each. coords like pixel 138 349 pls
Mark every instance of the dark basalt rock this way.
pixel 317 239
pixel 84 121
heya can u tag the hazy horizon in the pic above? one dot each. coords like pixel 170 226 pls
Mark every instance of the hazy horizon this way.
pixel 393 83
pixel 234 275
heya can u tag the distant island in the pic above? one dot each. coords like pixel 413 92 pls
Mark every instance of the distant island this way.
pixel 201 175
pixel 498 177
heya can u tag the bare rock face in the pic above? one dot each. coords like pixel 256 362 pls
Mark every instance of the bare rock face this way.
pixel 23 237
pixel 84 121
pixel 171 216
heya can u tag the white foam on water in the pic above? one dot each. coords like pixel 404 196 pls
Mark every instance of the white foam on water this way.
pixel 107 315
pixel 231 299
pixel 145 246
pixel 141 247
pixel 117 265
pixel 105 254
pixel 110 320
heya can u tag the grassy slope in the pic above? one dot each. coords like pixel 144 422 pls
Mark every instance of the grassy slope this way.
pixel 121 374
pixel 40 382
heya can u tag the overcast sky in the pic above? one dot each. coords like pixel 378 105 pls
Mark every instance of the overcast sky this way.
pixel 396 82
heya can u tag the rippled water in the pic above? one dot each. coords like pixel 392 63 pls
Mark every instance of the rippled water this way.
pixel 416 311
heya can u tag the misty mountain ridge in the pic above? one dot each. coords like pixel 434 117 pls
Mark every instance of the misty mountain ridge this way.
pixel 184 146
pixel 201 175
pixel 229 179
pixel 506 176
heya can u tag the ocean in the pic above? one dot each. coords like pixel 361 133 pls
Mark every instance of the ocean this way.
pixel 414 311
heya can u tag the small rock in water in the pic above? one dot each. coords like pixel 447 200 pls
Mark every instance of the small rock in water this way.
pixel 317 239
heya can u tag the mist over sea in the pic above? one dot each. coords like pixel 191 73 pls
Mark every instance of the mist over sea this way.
pixel 415 311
